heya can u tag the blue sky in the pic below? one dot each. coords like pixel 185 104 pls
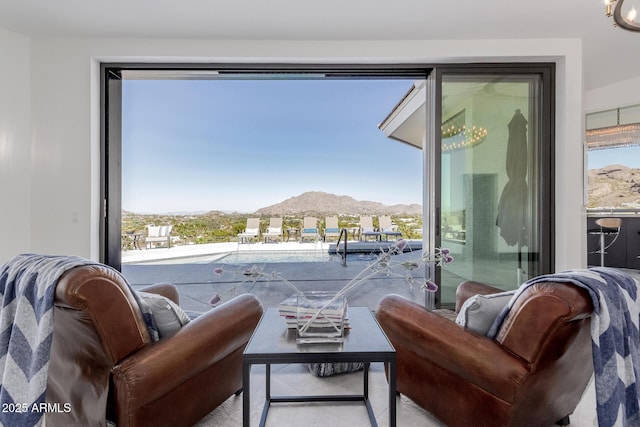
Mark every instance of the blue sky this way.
pixel 627 156
pixel 239 145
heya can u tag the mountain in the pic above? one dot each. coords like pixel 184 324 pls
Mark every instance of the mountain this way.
pixel 614 186
pixel 318 202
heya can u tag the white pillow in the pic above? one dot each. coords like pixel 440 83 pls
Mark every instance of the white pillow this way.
pixel 478 312
pixel 168 315
pixel 251 231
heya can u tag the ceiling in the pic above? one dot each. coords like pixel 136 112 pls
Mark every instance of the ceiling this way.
pixel 610 54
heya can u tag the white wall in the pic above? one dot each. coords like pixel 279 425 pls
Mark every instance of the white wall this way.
pixel 570 215
pixel 620 94
pixel 15 145
pixel 65 194
pixel 64 191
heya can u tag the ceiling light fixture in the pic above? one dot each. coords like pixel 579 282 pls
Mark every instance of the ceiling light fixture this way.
pixel 628 22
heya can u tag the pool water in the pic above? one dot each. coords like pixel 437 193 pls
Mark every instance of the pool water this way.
pixel 262 257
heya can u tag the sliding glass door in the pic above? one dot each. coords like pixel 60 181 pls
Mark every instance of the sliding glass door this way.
pixel 486 131
pixel 493 168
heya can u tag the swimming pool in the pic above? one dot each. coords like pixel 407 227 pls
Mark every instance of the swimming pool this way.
pixel 267 257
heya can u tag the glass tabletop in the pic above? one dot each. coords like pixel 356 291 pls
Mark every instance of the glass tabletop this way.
pixel 273 337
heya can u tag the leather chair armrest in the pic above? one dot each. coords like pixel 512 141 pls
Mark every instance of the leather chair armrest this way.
pixel 451 347
pixel 165 289
pixel 161 367
pixel 470 288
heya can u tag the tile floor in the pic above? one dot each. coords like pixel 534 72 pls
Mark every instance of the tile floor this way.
pixel 295 379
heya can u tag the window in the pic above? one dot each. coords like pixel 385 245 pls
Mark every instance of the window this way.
pixel 194 141
pixel 613 158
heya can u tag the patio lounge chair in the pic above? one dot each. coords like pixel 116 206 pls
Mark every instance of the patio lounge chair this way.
pixel 389 229
pixel 309 229
pixel 251 232
pixel 453 230
pixel 274 231
pixel 367 229
pixel 331 228
pixel 158 234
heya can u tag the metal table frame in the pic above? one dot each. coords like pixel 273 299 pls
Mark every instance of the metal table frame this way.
pixel 283 352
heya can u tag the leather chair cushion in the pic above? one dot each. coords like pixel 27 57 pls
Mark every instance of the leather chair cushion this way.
pixel 168 315
pixel 479 312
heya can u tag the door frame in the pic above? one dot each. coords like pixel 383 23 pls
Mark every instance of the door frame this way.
pixel 545 151
pixel 111 120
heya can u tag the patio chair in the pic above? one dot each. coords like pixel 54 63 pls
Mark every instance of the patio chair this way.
pixel 453 230
pixel 331 228
pixel 274 231
pixel 252 231
pixel 309 229
pixel 367 229
pixel 158 234
pixel 387 228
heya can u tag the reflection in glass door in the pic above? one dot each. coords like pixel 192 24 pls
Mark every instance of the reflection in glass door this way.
pixel 491 180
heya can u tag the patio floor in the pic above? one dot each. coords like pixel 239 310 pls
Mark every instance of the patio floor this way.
pixel 193 273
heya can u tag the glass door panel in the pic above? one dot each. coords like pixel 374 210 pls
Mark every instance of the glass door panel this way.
pixel 489 183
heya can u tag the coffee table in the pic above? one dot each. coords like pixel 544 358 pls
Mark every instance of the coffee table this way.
pixel 272 343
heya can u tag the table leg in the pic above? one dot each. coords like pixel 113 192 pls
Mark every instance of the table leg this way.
pixel 267 393
pixel 246 394
pixel 392 394
pixel 366 381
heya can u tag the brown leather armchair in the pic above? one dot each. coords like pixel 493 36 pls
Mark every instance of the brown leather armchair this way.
pixel 533 374
pixel 104 365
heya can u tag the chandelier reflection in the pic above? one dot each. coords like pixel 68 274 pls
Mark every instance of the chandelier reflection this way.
pixel 459 137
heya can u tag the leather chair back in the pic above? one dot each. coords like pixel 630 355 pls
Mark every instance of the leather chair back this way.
pixel 533 373
pixel 97 323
